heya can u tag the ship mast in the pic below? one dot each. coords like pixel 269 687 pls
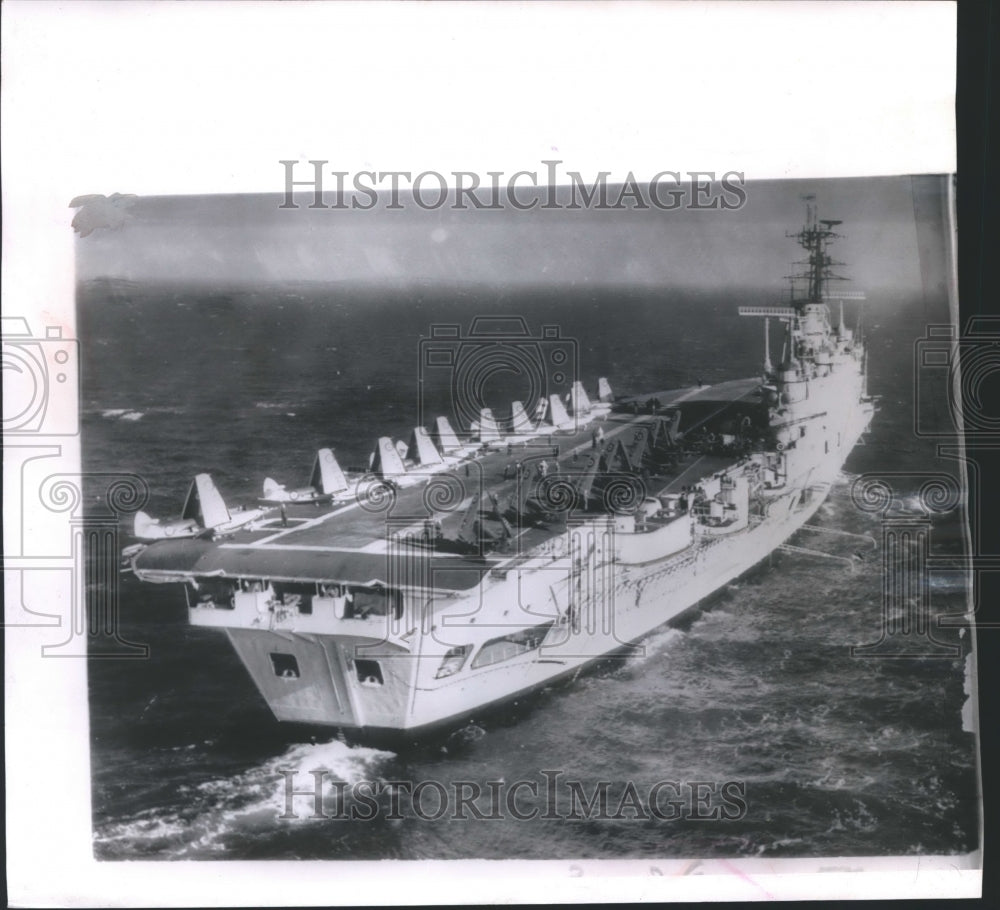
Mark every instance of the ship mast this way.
pixel 806 317
pixel 814 238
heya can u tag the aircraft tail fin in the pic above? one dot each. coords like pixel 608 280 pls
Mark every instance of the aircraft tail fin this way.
pixel 205 504
pixel 488 430
pixel 386 461
pixel 327 477
pixel 272 488
pixel 421 448
pixel 604 389
pixel 557 410
pixel 144 526
pixel 520 425
pixel 444 436
pixel 579 400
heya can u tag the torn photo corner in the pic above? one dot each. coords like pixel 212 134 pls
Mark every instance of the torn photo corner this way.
pixel 541 530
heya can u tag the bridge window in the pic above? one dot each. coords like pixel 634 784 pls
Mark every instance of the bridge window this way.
pixel 285 666
pixel 369 672
pixel 454 660
pixel 506 647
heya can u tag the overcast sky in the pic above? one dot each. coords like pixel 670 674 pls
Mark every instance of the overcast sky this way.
pixel 249 240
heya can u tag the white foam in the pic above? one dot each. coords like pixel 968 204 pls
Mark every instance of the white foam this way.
pixel 122 414
pixel 656 643
pixel 255 798
pixel 969 688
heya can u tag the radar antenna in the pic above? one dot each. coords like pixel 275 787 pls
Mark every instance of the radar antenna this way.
pixel 814 237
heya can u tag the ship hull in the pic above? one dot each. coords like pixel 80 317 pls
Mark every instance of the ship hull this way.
pixel 410 704
pixel 457 577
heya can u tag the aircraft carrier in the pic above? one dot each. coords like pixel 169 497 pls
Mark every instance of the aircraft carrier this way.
pixel 470 566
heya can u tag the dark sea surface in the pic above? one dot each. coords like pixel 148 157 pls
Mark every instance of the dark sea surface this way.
pixel 836 756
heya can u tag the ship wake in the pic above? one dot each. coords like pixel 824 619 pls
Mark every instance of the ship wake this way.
pixel 209 817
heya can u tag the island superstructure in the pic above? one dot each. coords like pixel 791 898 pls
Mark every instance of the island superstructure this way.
pixel 467 568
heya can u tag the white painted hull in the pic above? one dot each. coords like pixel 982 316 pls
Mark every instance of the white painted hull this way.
pixel 638 599
pixel 645 598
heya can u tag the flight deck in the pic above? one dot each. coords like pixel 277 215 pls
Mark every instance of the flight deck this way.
pixel 500 499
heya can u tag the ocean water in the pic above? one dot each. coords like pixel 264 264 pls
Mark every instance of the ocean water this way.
pixel 832 755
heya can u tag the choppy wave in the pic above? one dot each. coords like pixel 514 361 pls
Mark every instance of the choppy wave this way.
pixel 246 804
pixel 760 687
pixel 122 414
pixel 655 644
